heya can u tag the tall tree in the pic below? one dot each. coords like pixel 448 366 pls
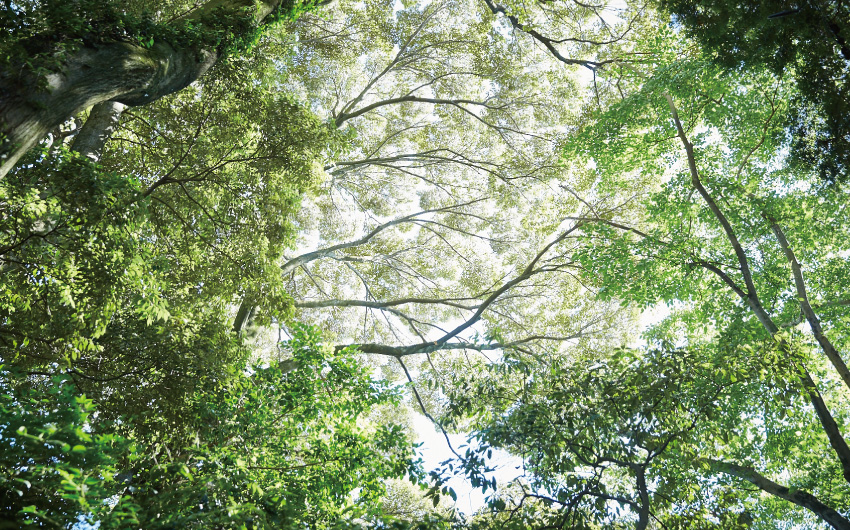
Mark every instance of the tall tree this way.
pixel 454 125
pixel 473 215
pixel 734 413
pixel 118 279
pixel 62 57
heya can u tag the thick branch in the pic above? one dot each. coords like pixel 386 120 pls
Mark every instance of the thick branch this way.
pixel 345 116
pixel 797 271
pixel 830 427
pixel 421 159
pixel 32 104
pixel 643 511
pixel 121 71
pixel 101 123
pixel 243 315
pixel 799 497
pixel 430 347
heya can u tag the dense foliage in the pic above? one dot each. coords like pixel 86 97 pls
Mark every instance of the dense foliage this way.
pixel 806 42
pixel 730 391
pixel 279 446
pixel 34 32
pixel 607 244
pixel 130 401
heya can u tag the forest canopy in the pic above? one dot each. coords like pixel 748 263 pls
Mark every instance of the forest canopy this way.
pixel 248 246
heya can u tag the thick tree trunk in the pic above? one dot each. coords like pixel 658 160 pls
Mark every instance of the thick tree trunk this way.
pixel 132 75
pixel 32 105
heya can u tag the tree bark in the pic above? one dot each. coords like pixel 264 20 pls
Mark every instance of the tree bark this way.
pixel 31 105
pixel 243 315
pixel 101 123
pixel 122 72
pixel 802 296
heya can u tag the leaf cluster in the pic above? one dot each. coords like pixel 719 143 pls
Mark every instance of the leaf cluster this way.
pixel 42 34
pixel 271 448
pixel 806 43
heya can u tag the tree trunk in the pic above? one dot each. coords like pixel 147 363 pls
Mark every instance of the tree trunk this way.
pixel 31 105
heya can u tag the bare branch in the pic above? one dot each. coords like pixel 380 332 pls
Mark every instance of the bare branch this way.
pixel 443 342
pixel 453 302
pixel 459 103
pixel 425 411
pixel 549 43
pixel 316 254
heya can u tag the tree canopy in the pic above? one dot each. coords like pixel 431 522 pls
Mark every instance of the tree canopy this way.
pixel 244 245
pixel 806 42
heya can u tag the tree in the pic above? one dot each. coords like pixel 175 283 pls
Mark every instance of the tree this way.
pixel 731 392
pixel 276 448
pixel 450 191
pixel 194 210
pixel 428 64
pixel 118 281
pixel 62 57
pixel 421 190
pixel 84 241
pixel 472 215
pixel 808 43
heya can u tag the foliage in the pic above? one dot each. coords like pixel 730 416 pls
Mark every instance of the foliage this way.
pixel 806 42
pixel 119 279
pixel 54 469
pixel 42 32
pixel 273 448
pixel 448 182
pixel 84 244
pixel 282 449
pixel 223 167
pixel 729 392
pixel 477 215
pixel 586 432
pixel 67 242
